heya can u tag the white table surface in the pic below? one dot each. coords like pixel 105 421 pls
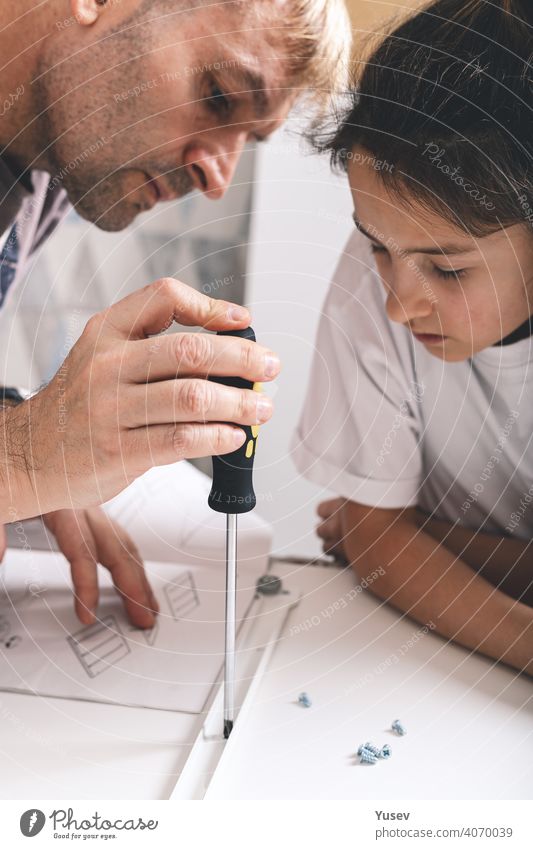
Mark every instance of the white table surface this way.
pixel 469 722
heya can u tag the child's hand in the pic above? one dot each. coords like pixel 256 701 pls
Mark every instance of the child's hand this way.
pixel 330 528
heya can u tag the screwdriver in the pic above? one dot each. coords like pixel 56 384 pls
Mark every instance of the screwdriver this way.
pixel 232 493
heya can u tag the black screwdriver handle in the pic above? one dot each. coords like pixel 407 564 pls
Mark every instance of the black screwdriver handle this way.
pixel 233 490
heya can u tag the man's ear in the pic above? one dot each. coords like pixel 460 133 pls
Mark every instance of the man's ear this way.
pixel 87 12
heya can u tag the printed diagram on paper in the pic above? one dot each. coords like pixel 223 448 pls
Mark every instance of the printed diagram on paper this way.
pixel 44 649
pixel 100 646
pixel 8 639
pixel 181 596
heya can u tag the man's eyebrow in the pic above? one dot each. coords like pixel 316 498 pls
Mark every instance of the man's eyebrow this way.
pixel 444 250
pixel 254 83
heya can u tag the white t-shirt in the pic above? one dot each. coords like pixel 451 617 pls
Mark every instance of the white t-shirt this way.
pixel 387 424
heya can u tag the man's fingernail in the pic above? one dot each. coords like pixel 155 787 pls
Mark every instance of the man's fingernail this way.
pixel 272 365
pixel 237 314
pixel 238 437
pixel 264 409
pixel 148 618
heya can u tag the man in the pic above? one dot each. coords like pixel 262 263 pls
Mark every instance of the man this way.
pixel 113 106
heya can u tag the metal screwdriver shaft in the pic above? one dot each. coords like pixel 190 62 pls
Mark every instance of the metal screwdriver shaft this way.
pixel 232 493
pixel 231 604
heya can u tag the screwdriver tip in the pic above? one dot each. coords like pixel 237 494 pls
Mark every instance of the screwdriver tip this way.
pixel 228 728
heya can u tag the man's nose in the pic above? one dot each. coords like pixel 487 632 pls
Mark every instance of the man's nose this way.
pixel 211 168
pixel 407 299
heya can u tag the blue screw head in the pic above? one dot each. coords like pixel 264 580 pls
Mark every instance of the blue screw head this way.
pixel 385 752
pixel 398 727
pixel 367 757
pixel 304 700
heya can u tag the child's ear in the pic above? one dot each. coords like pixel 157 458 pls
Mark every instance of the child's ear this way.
pixel 87 12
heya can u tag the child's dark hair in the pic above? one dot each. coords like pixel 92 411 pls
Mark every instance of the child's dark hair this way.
pixel 444 105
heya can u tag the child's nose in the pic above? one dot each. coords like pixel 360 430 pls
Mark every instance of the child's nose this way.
pixel 407 301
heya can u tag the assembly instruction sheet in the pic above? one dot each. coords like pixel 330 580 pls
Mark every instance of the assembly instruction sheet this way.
pixel 45 649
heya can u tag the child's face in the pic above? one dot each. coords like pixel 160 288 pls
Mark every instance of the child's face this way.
pixel 456 294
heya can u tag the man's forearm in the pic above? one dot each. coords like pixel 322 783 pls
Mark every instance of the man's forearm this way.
pixel 17 497
pixel 430 583
pixel 507 562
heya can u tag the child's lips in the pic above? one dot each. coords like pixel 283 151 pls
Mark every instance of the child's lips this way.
pixel 429 338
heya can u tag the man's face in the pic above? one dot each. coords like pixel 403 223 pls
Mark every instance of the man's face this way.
pixel 139 111
pixel 456 294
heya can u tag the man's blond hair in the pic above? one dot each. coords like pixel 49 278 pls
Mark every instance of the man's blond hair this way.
pixel 317 38
pixel 315 35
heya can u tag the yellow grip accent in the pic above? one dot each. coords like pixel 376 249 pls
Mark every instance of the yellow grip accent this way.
pixel 257 387
pixel 249 449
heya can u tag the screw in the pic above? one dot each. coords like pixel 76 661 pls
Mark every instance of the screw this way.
pixel 398 727
pixel 385 752
pixel 268 585
pixel 304 700
pixel 369 748
pixel 367 757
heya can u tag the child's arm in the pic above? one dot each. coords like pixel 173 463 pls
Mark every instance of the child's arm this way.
pixel 429 583
pixel 505 561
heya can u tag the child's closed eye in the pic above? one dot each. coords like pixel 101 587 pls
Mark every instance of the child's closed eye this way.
pixel 443 273
pixel 448 273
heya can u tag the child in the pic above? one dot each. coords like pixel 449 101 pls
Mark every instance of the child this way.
pixel 420 408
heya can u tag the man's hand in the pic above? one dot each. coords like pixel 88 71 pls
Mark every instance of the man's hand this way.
pixel 89 537
pixel 330 529
pixel 124 401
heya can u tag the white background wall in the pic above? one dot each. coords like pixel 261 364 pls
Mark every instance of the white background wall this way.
pixel 301 221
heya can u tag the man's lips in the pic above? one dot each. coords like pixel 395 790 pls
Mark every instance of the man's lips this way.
pixel 159 189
